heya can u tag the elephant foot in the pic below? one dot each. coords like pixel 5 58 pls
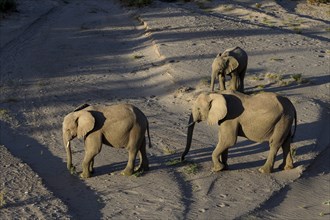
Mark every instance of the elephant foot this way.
pixel 142 168
pixel 285 167
pixel 265 169
pixel 219 167
pixel 84 175
pixel 127 172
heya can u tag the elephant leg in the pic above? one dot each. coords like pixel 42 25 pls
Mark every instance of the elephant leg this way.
pixel 86 164
pixel 132 147
pixel 93 145
pixel 234 82
pixel 144 163
pixel 129 169
pixel 224 157
pixel 287 157
pixel 222 85
pixel 227 138
pixel 268 166
pixel 91 166
pixel 217 164
pixel 241 81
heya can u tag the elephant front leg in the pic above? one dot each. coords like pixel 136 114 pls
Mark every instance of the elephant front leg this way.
pixel 86 165
pixel 234 82
pixel 222 80
pixel 227 138
pixel 92 148
pixel 217 164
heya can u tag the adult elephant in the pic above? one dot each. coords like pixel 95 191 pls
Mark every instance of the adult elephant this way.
pixel 232 62
pixel 261 117
pixel 121 126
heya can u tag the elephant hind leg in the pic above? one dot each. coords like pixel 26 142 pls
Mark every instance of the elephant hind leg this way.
pixel 287 163
pixel 133 148
pixel 144 163
pixel 269 164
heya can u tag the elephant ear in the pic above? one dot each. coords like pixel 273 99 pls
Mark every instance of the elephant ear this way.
pixel 85 123
pixel 231 65
pixel 218 109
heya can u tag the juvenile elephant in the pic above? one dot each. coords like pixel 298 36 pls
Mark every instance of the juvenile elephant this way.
pixel 232 62
pixel 121 125
pixel 261 117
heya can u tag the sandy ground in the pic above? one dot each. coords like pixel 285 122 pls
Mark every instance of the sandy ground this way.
pixel 56 55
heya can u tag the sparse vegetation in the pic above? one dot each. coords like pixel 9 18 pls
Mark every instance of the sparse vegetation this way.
pixel 172 162
pixel 258 5
pixel 261 86
pixel 298 78
pixel 136 3
pixel 73 170
pixel 138 56
pixel 318 1
pixel 168 151
pixel 191 168
pixel 2 199
pixel 276 59
pixel 138 173
pixel 297 30
pixel 4 114
pixel 274 76
pixel 326 203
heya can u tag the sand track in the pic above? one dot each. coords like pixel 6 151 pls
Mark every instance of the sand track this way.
pixel 72 52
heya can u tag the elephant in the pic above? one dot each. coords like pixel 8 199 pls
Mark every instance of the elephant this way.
pixel 119 125
pixel 233 62
pixel 259 118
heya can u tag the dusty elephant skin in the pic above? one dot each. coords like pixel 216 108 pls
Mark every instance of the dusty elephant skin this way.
pixel 261 117
pixel 121 126
pixel 232 62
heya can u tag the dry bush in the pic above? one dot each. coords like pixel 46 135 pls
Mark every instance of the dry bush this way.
pixel 136 3
pixel 318 1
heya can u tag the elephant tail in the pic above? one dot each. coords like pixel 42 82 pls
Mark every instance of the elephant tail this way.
pixel 148 134
pixel 295 124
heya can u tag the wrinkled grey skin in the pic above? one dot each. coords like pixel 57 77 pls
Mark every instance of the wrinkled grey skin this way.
pixel 232 62
pixel 121 126
pixel 259 118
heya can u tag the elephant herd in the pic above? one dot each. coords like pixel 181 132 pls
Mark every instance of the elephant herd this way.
pixel 259 118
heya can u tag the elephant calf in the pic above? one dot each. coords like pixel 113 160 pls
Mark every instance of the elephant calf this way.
pixel 261 117
pixel 121 125
pixel 232 62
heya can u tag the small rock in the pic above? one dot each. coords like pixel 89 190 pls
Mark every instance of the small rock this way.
pixel 221 205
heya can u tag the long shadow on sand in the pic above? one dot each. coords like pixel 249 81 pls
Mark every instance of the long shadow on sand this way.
pixel 54 174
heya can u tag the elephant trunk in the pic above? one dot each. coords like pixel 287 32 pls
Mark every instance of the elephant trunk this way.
pixel 68 155
pixel 191 125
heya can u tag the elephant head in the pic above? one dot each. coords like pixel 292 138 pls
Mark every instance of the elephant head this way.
pixel 222 65
pixel 207 107
pixel 76 124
